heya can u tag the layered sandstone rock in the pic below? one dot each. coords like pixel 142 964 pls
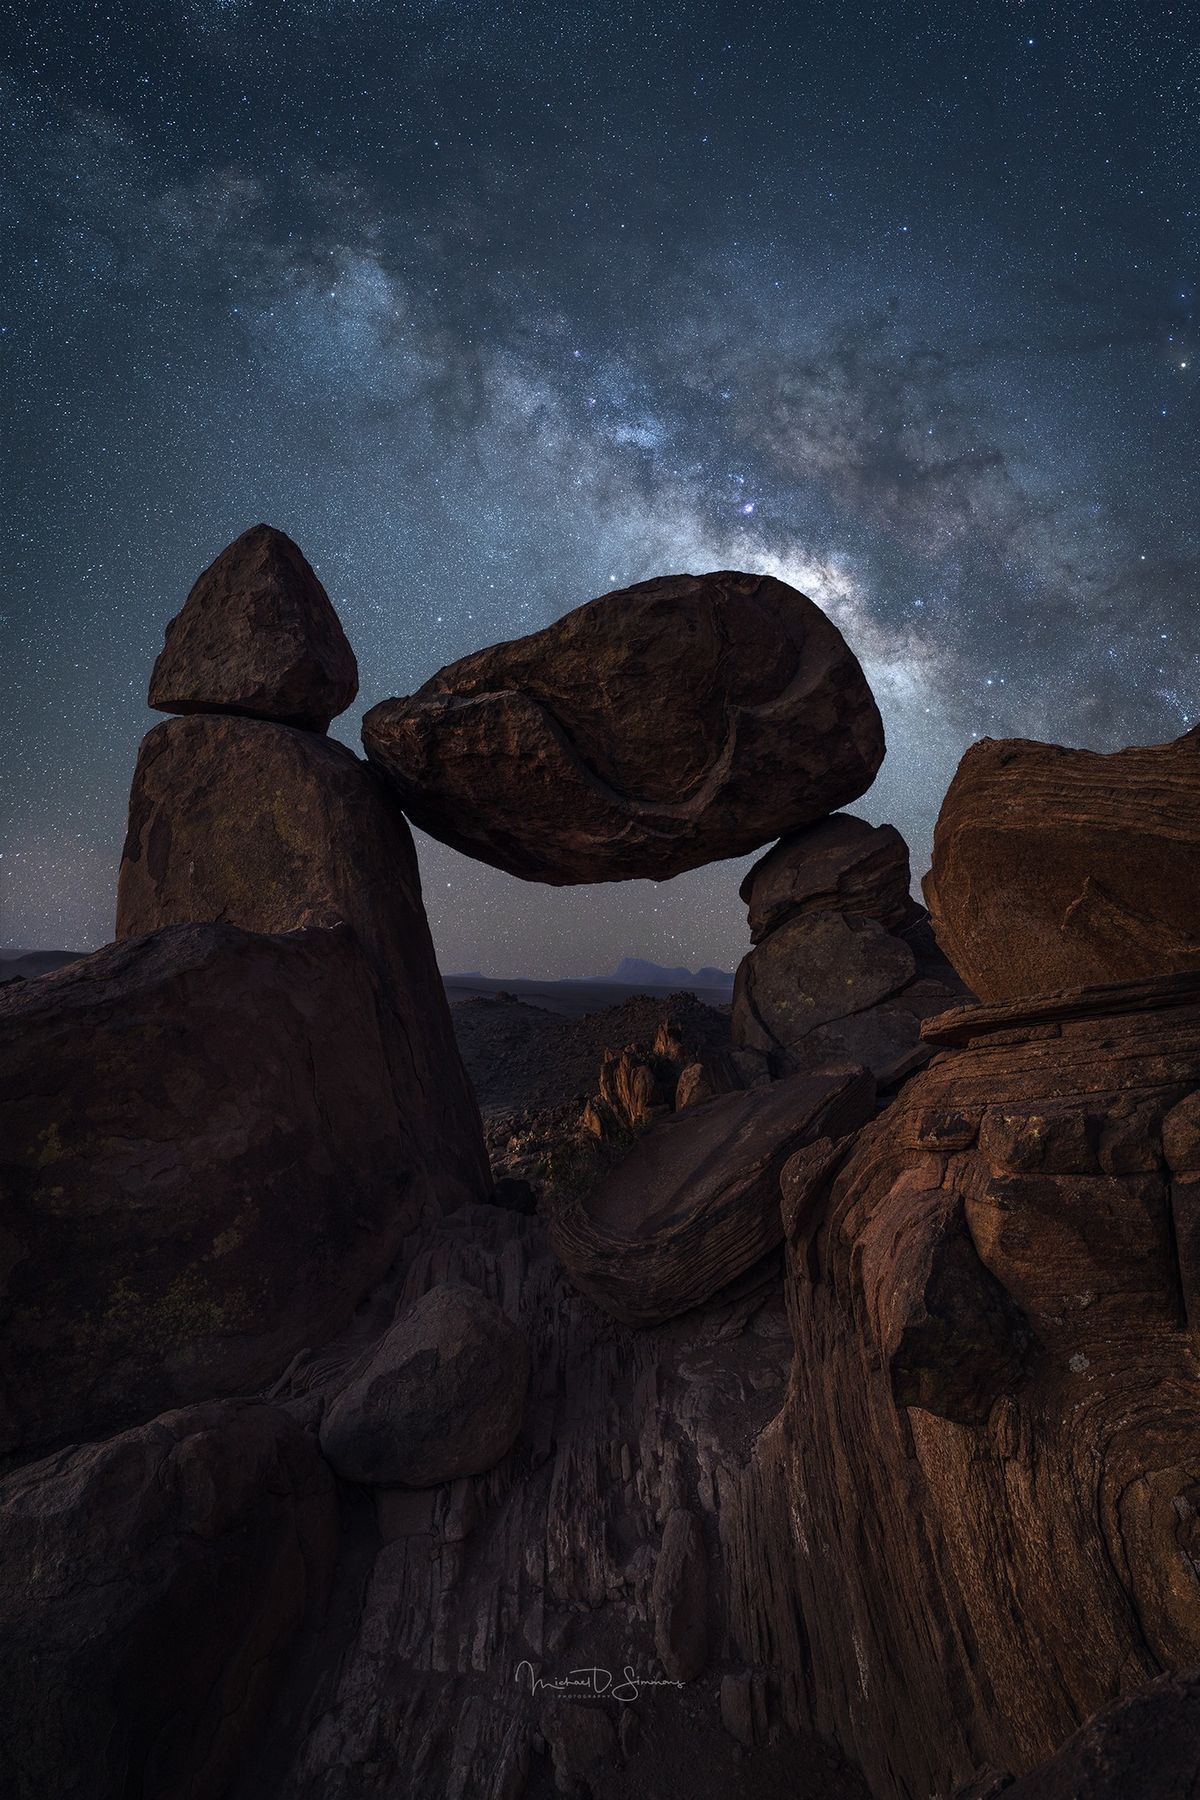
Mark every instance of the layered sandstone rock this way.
pixel 843 967
pixel 1055 868
pixel 150 1590
pixel 671 724
pixel 269 828
pixel 987 1472
pixel 696 1202
pixel 257 635
pixel 204 1168
pixel 442 1395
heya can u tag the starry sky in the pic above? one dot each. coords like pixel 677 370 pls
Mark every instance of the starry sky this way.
pixel 493 307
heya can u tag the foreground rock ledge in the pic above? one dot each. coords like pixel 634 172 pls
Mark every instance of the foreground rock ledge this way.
pixel 696 1202
pixel 655 729
pixel 974 1521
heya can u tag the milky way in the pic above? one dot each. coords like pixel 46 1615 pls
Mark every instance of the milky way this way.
pixel 493 308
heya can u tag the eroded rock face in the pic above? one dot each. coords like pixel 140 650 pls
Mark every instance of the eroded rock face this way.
pixel 1147 1746
pixel 844 968
pixel 257 635
pixel 1055 868
pixel 270 828
pixel 841 865
pixel 988 1466
pixel 150 1590
pixel 442 1395
pixel 696 1202
pixel 557 757
pixel 203 1169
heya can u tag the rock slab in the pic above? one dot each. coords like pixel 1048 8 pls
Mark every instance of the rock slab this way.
pixel 650 731
pixel 1057 868
pixel 202 1170
pixel 442 1396
pixel 257 635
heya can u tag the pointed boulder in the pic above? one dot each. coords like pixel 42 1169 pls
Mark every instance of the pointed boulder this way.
pixel 258 636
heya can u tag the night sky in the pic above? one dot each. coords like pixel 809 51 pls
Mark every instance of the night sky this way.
pixel 493 307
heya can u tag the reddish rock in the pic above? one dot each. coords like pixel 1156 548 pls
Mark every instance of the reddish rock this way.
pixel 203 1169
pixel 270 828
pixel 442 1395
pixel 679 1597
pixel 696 1202
pixel 655 729
pixel 841 865
pixel 257 635
pixel 150 1590
pixel 1058 868
pixel 974 1521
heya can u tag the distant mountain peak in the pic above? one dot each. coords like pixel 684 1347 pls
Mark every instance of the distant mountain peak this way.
pixel 636 968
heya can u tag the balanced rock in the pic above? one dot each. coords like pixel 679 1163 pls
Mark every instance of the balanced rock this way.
pixel 993 1290
pixel 150 1590
pixel 204 1169
pixel 442 1395
pixel 1058 868
pixel 664 726
pixel 257 635
pixel 843 967
pixel 696 1202
pixel 270 828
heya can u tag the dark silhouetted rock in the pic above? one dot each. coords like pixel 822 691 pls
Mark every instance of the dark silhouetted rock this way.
pixel 987 1471
pixel 150 1589
pixel 257 635
pixel 582 1742
pixel 1059 868
pixel 844 968
pixel 442 1395
pixel 668 725
pixel 679 1597
pixel 202 1170
pixel 696 1202
pixel 270 828
pixel 1143 1748
pixel 841 865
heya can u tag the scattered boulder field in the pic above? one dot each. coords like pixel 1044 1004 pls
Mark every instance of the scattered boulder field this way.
pixel 795 1395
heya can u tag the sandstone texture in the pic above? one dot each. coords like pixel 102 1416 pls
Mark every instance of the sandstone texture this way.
pixel 695 1204
pixel 151 1588
pixel 668 725
pixel 987 1471
pixel 843 968
pixel 442 1395
pixel 202 1170
pixel 269 828
pixel 1057 868
pixel 257 635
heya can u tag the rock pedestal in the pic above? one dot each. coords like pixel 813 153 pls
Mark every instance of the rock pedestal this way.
pixel 843 967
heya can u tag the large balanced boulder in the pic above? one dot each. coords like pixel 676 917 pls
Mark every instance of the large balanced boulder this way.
pixel 696 1202
pixel 441 1396
pixel 843 967
pixel 203 1168
pixel 1057 868
pixel 974 1522
pixel 664 726
pixel 269 828
pixel 257 635
pixel 150 1589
